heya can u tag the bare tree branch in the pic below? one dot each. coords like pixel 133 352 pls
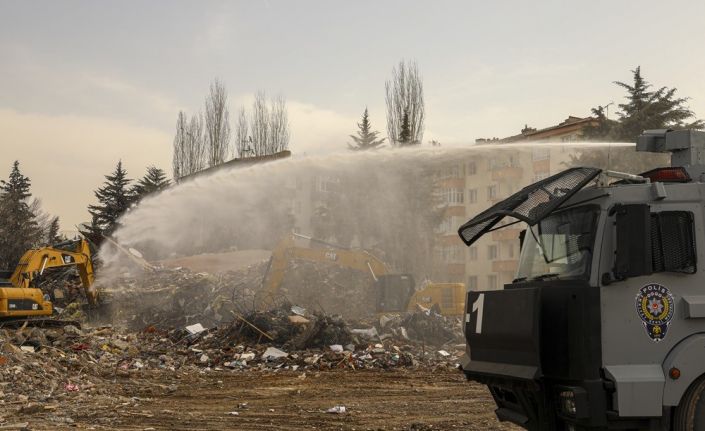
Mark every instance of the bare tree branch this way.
pixel 217 124
pixel 404 96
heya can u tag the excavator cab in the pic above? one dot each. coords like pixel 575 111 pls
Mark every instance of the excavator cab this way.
pixel 394 292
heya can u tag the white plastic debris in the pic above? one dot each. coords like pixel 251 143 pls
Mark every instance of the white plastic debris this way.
pixel 298 310
pixel 247 356
pixel 273 353
pixel 194 329
pixel 234 413
pixel 336 348
pixel 443 353
pixel 204 358
pixel 27 349
pixel 339 410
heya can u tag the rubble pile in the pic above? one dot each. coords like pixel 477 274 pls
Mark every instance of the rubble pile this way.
pixel 177 297
pixel 329 288
pixel 422 325
pixel 39 364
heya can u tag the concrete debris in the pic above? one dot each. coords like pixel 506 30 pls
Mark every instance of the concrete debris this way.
pixel 272 353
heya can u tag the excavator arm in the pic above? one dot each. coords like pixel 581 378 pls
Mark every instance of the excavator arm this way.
pixel 288 250
pixel 34 262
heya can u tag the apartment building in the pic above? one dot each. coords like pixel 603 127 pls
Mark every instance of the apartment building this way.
pixel 484 177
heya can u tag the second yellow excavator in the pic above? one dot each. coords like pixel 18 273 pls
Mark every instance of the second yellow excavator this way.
pixel 395 292
pixel 19 295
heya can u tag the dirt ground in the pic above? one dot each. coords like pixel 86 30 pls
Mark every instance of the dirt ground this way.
pixel 375 400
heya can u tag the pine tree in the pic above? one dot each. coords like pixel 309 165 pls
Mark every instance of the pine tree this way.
pixel 19 230
pixel 115 197
pixel 602 130
pixel 92 232
pixel 53 235
pixel 366 139
pixel 154 180
pixel 405 131
pixel 647 109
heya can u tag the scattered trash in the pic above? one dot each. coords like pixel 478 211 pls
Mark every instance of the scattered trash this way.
pixel 70 387
pixel 337 410
pixel 194 329
pixel 300 311
pixel 336 348
pixel 273 353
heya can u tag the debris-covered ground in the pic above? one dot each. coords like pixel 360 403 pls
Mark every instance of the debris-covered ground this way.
pixel 185 350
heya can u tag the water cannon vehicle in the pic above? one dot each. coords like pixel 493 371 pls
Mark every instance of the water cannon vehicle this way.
pixel 604 325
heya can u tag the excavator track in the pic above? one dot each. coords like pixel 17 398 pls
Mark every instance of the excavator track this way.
pixel 38 322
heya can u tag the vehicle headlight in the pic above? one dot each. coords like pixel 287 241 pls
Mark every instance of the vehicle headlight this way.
pixel 567 402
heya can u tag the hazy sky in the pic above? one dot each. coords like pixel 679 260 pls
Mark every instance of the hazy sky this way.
pixel 85 83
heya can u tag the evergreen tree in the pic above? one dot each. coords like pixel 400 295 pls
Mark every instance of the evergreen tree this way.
pixel 53 235
pixel 114 198
pixel 19 230
pixel 366 139
pixel 603 130
pixel 154 180
pixel 651 109
pixel 92 232
pixel 405 131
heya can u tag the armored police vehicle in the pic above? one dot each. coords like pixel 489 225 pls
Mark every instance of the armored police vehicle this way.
pixel 604 325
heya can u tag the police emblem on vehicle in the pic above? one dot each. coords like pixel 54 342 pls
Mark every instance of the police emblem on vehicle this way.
pixel 655 306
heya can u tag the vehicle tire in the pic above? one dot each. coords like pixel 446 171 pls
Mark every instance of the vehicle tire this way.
pixel 690 413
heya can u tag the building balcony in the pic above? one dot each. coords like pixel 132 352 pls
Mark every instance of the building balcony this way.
pixel 455 268
pixel 451 210
pixel 507 173
pixel 506 234
pixel 449 239
pixel 505 265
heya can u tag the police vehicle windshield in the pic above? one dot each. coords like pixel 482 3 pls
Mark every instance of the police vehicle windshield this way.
pixel 560 245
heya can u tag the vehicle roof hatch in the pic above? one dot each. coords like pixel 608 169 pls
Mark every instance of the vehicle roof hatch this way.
pixel 531 204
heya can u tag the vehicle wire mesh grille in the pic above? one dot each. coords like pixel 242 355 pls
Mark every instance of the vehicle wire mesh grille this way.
pixel 530 204
pixel 673 242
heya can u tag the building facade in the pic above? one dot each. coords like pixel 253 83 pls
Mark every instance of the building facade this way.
pixel 484 177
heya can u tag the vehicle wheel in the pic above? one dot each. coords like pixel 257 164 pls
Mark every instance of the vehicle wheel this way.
pixel 690 413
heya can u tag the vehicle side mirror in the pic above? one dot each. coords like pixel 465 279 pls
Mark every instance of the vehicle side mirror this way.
pixel 522 235
pixel 633 253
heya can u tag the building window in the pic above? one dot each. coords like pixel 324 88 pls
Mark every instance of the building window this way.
pixel 472 168
pixel 492 251
pixel 492 192
pixel 510 249
pixel 451 254
pixel 539 153
pixel 326 184
pixel 472 283
pixel 472 252
pixel 492 282
pixel 453 196
pixel 472 196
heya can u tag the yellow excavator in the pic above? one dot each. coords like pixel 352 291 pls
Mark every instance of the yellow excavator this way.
pixel 19 295
pixel 394 292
